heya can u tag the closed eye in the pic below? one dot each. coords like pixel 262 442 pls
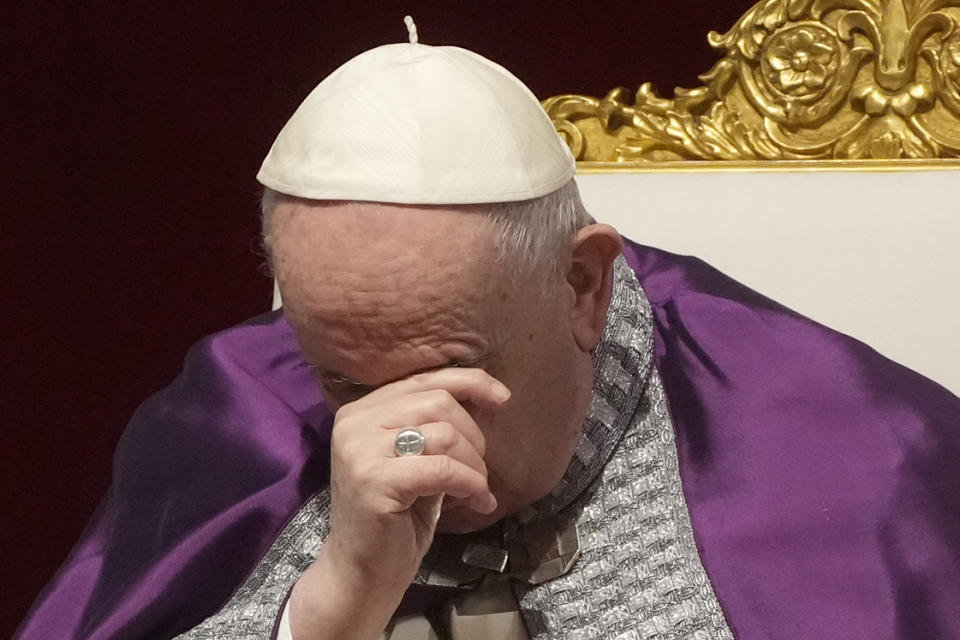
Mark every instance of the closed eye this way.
pixel 347 389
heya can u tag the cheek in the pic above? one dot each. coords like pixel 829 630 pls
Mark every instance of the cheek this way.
pixel 544 375
pixel 530 442
pixel 562 385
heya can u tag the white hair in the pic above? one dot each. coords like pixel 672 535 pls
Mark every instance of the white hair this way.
pixel 532 236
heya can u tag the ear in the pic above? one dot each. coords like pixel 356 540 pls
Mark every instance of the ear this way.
pixel 595 247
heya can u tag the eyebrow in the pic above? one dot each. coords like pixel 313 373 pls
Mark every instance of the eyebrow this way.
pixel 339 378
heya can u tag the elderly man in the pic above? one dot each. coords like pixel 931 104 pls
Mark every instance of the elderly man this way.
pixel 531 428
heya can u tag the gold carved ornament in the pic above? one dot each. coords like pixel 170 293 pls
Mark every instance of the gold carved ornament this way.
pixel 801 79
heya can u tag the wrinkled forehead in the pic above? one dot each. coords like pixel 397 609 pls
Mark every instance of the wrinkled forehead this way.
pixel 322 223
pixel 354 260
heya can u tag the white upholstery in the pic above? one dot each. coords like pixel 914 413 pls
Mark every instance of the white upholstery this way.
pixel 871 254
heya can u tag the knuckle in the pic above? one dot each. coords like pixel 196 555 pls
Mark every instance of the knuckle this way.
pixel 443 469
pixel 446 437
pixel 441 395
pixel 441 399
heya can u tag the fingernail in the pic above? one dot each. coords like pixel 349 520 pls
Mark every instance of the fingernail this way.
pixel 500 391
pixel 491 503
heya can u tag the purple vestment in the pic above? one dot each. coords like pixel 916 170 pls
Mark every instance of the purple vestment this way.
pixel 822 479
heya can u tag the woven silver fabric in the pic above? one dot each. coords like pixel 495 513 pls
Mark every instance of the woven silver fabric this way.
pixel 639 576
pixel 255 607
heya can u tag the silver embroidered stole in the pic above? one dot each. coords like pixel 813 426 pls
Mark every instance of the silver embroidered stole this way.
pixel 639 574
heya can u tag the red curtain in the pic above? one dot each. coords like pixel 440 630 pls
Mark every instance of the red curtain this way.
pixel 132 135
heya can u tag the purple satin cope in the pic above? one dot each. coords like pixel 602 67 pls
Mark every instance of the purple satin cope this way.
pixel 821 478
pixel 204 477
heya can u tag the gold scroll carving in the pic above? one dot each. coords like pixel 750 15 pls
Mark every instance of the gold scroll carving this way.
pixel 800 79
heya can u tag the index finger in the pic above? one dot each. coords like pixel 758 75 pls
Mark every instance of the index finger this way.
pixel 465 384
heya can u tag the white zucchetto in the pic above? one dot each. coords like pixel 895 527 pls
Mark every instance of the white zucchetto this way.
pixel 417 124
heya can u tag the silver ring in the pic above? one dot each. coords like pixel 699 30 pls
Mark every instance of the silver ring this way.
pixel 409 442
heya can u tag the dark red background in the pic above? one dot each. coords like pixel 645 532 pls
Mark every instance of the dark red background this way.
pixel 131 137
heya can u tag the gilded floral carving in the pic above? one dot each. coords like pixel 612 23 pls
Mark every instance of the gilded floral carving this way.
pixel 800 79
pixel 798 62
